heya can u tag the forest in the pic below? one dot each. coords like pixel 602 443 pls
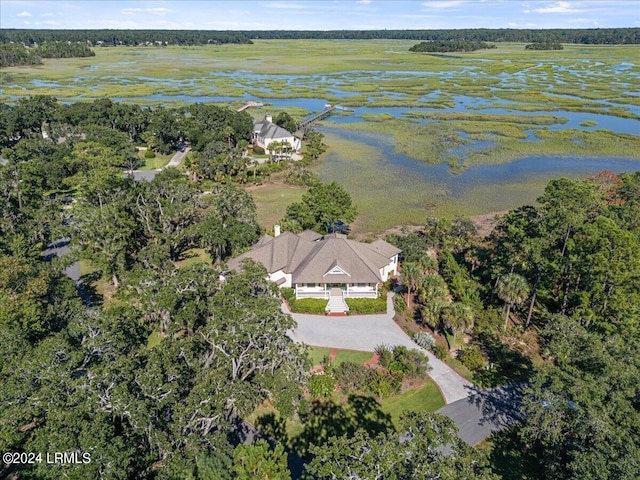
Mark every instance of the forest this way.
pixel 609 36
pixel 13 54
pixel 152 364
pixel 451 46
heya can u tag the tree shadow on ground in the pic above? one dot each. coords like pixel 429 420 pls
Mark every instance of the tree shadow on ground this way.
pixel 510 459
pixel 87 290
pixel 326 419
pixel 507 365
pixel 499 406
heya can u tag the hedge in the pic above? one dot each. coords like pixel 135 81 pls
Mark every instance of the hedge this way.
pixel 367 305
pixel 308 305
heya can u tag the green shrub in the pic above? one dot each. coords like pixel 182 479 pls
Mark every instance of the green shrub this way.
pixel 425 340
pixel 472 358
pixel 288 293
pixel 258 150
pixel 322 385
pixel 385 355
pixel 308 305
pixel 399 304
pixel 148 153
pixel 351 376
pixel 440 351
pixel 383 383
pixel 410 362
pixel 367 305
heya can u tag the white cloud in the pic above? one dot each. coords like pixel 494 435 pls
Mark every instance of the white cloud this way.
pixel 152 11
pixel 363 1
pixel 157 11
pixel 24 14
pixel 444 3
pixel 557 7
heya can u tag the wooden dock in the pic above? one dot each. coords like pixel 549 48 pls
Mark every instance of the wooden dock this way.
pixel 318 116
pixel 248 105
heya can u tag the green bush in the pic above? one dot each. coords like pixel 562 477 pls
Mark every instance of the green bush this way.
pixel 351 376
pixel 258 150
pixel 383 383
pixel 410 362
pixel 367 305
pixel 288 293
pixel 322 385
pixel 472 358
pixel 385 355
pixel 148 153
pixel 440 351
pixel 308 305
pixel 399 304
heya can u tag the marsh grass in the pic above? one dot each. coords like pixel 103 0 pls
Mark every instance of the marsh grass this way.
pixel 579 78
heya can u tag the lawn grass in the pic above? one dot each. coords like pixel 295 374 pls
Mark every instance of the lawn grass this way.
pixel 272 199
pixel 352 356
pixel 318 354
pixel 424 399
pixel 195 256
pixel 159 161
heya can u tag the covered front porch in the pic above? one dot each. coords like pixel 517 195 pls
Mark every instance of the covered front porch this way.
pixel 348 290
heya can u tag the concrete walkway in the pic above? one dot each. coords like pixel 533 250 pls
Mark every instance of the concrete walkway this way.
pixel 365 332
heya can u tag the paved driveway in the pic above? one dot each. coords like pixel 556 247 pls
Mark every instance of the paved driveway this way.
pixel 149 175
pixel 486 411
pixel 365 332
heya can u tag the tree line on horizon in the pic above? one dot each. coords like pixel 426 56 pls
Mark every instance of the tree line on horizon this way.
pixel 108 37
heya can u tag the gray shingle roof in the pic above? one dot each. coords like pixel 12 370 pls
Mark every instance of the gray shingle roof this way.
pixel 309 256
pixel 266 129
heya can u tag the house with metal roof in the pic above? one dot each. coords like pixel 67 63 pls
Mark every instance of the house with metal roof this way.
pixel 324 266
pixel 265 132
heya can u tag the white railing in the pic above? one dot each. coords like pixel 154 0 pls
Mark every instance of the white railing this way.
pixel 311 294
pixel 352 294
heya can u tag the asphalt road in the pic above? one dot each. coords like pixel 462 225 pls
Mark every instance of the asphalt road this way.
pixel 59 248
pixel 486 411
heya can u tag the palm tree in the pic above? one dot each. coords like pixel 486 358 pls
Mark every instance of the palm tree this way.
pixel 512 289
pixel 457 317
pixel 228 133
pixel 428 264
pixel 411 275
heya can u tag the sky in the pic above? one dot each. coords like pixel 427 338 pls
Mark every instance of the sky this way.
pixel 318 14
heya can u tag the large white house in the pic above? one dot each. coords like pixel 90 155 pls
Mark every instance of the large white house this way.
pixel 324 266
pixel 265 132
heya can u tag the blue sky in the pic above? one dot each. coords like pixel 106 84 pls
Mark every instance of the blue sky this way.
pixel 318 14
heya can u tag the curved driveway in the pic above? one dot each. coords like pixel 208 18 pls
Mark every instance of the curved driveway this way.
pixel 365 332
pixel 149 175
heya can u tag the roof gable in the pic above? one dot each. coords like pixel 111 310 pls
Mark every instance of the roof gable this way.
pixel 336 270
